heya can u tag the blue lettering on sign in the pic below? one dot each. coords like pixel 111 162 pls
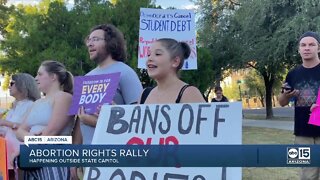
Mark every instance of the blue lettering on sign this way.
pixel 165 25
pixel 177 15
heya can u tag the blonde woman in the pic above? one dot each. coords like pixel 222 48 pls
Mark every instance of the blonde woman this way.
pixel 49 116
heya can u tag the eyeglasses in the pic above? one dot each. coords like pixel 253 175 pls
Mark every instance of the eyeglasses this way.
pixel 12 83
pixel 94 39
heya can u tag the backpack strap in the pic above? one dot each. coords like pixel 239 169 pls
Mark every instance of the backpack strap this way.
pixel 181 92
pixel 145 94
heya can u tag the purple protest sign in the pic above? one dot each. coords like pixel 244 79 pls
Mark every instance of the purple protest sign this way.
pixel 91 91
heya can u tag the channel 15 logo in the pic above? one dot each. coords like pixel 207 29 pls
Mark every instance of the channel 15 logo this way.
pixel 298 155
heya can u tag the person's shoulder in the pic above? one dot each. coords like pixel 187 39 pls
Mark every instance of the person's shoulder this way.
pixel 92 72
pixel 61 95
pixel 26 102
pixel 124 67
pixel 225 99
pixel 193 94
pixel 317 66
pixel 126 71
pixel 295 70
pixel 191 89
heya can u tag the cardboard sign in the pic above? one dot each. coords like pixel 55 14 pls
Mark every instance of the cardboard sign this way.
pixel 92 91
pixel 167 23
pixel 190 124
pixel 3 160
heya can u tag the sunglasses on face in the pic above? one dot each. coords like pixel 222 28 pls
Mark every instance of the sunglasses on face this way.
pixel 12 83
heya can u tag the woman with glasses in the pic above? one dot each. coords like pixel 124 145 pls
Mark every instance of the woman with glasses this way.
pixel 24 89
pixel 48 116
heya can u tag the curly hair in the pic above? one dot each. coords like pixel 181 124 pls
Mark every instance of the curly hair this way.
pixel 115 43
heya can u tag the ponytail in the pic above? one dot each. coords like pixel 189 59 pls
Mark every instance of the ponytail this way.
pixel 65 78
pixel 186 49
pixel 68 83
pixel 176 49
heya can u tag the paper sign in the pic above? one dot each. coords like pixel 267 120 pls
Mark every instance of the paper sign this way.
pixel 188 124
pixel 315 115
pixel 92 91
pixel 177 24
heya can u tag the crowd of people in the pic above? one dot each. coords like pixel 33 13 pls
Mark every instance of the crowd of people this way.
pixel 33 115
pixel 48 116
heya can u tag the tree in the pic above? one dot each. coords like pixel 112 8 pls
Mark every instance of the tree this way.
pixel 49 31
pixel 201 77
pixel 232 91
pixel 129 24
pixel 3 2
pixel 267 32
pixel 6 82
pixel 214 34
pixel 255 84
pixel 259 34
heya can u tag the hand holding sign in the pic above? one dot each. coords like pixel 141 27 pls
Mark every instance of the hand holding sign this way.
pixel 92 91
pixel 315 112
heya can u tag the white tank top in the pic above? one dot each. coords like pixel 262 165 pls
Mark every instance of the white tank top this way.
pixel 40 115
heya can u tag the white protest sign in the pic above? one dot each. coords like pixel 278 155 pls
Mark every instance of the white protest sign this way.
pixel 187 124
pixel 167 23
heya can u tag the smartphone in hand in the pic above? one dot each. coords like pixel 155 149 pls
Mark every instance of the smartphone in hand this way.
pixel 287 87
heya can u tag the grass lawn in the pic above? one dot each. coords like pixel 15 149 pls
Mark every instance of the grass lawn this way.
pixel 263 117
pixel 255 135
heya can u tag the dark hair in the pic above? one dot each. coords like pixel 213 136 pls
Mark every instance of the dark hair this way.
pixel 217 88
pixel 115 43
pixel 310 34
pixel 65 78
pixel 176 49
pixel 27 85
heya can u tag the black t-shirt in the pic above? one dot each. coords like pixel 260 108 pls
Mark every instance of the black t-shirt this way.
pixel 307 81
pixel 223 99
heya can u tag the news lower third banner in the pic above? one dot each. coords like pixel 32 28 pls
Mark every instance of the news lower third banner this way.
pixel 170 155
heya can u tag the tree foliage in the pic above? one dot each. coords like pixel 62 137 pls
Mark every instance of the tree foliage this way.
pixel 214 34
pixel 268 32
pixel 255 84
pixel 5 85
pixel 261 34
pixel 201 77
pixel 52 30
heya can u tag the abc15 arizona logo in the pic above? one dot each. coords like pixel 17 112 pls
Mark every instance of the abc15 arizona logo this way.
pixel 298 155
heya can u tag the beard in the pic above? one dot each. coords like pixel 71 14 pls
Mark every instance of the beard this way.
pixel 99 58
